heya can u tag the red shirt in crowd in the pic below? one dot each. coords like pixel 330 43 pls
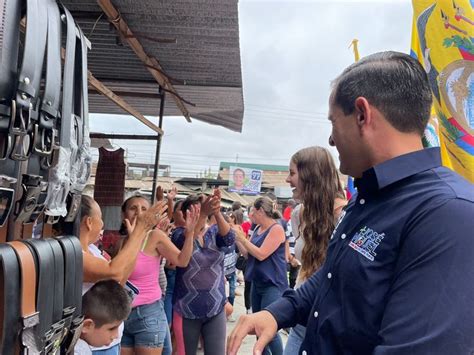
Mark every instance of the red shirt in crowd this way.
pixel 287 213
pixel 246 227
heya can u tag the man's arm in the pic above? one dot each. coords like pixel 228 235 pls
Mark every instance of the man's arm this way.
pixel 430 309
pixel 295 305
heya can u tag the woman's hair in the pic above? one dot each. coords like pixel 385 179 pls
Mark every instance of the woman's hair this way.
pixel 125 203
pixel 238 216
pixel 320 185
pixel 87 203
pixel 266 204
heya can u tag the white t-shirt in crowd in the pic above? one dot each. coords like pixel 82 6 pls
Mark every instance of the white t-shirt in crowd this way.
pixel 82 348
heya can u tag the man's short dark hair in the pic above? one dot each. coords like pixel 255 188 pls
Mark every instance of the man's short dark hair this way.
pixel 106 302
pixel 395 83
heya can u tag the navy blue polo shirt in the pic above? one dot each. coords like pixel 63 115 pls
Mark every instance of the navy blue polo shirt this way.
pixel 399 273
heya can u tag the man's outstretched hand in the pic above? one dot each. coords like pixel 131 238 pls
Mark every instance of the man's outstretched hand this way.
pixel 262 324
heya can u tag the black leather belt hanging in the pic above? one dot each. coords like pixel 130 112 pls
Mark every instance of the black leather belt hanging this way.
pixel 28 315
pixel 58 331
pixel 29 79
pixel 9 45
pixel 34 184
pixel 44 265
pixel 45 128
pixel 72 290
pixel 10 302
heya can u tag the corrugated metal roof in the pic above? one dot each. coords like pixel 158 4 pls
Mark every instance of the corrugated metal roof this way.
pixel 205 57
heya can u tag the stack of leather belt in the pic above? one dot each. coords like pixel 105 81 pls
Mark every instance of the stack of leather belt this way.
pixel 44 166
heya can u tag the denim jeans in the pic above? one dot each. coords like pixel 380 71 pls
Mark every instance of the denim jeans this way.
pixel 295 339
pixel 146 326
pixel 232 278
pixel 170 277
pixel 263 294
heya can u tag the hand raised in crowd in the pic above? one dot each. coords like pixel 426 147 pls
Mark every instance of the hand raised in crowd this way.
pixel 192 217
pixel 210 205
pixel 262 324
pixel 217 194
pixel 172 193
pixel 159 193
pixel 147 220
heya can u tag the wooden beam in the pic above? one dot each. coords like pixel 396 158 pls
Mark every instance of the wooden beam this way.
pixel 104 90
pixel 127 36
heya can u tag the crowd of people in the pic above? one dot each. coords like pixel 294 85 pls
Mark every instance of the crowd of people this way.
pixel 378 274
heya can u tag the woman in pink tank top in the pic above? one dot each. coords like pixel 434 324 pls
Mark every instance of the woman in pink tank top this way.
pixel 146 329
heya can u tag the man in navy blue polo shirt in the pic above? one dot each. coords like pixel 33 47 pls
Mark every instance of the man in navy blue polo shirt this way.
pixel 399 272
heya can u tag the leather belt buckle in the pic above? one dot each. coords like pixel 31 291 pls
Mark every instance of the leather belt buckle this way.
pixel 32 188
pixel 44 140
pixel 22 138
pixel 74 203
pixel 6 146
pixel 40 203
pixel 28 339
pixel 55 337
pixel 6 203
pixel 74 333
pixel 7 197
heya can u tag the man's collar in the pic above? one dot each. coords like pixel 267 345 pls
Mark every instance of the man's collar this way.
pixel 396 169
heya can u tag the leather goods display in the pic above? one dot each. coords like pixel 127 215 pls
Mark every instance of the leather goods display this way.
pixel 44 164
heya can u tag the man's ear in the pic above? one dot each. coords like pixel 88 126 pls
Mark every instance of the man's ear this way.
pixel 363 111
pixel 88 326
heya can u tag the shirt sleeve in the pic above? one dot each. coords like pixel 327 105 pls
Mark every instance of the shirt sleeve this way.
pixel 224 241
pixel 430 307
pixel 295 305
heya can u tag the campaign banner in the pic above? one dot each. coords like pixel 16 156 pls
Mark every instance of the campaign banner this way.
pixel 245 181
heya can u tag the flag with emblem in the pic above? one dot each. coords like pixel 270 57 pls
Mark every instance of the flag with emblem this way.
pixel 443 42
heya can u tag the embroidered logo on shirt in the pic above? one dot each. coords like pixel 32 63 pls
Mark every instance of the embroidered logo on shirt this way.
pixel 366 241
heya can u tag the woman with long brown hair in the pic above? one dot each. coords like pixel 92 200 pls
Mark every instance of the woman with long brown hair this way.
pixel 314 180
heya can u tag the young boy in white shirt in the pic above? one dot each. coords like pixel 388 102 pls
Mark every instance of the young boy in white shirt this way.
pixel 105 306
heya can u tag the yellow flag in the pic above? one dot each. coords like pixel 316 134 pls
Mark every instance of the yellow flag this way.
pixel 443 42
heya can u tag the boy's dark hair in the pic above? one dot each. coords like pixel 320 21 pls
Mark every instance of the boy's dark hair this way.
pixel 106 302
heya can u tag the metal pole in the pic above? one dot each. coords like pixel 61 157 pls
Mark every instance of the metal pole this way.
pixel 158 145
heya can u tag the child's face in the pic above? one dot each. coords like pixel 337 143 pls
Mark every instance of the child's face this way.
pixel 99 336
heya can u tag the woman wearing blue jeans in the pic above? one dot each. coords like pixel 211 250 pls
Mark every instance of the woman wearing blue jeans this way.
pixel 266 262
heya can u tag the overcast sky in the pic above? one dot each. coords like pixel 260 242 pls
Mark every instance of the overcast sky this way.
pixel 290 50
